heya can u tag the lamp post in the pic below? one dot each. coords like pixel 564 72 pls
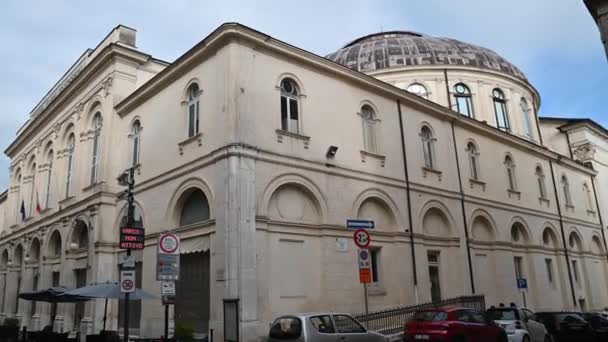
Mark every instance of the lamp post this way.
pixel 127 179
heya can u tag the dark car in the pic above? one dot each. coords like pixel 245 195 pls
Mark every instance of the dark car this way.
pixel 452 325
pixel 599 324
pixel 566 326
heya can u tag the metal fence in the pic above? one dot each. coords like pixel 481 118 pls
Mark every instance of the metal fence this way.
pixel 391 321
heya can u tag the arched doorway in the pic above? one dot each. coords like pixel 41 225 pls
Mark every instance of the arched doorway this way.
pixel 192 300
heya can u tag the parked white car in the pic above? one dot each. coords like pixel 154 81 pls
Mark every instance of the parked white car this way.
pixel 518 325
pixel 320 327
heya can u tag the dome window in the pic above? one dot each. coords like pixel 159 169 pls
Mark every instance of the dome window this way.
pixel 418 89
pixel 500 109
pixel 525 112
pixel 462 100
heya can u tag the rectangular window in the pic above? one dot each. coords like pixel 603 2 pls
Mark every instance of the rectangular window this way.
pixel 54 282
pixel 81 280
pixel 434 275
pixel 191 120
pixel 293 116
pixel 284 119
pixel 94 161
pixel 541 187
pixel 575 271
pixel 549 266
pixel 18 292
pixel 511 179
pixel 68 180
pixel 473 160
pixel 369 136
pixel 464 105
pixel 518 267
pixel 428 154
pixel 375 259
pixel 47 200
pixel 34 288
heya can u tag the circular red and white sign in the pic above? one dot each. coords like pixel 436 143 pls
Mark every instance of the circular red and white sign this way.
pixel 127 284
pixel 362 238
pixel 168 243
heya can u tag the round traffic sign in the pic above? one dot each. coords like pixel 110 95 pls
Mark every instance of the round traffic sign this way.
pixel 362 238
pixel 168 243
pixel 127 284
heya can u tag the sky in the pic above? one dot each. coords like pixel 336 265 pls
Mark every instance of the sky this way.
pixel 555 42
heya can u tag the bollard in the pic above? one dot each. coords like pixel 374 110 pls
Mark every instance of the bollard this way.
pixel 210 335
pixel 24 335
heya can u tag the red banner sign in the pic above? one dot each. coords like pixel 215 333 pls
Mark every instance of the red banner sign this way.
pixel 132 238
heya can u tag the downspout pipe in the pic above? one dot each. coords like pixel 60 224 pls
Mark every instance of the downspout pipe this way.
pixel 464 212
pixel 599 214
pixel 409 197
pixel 561 225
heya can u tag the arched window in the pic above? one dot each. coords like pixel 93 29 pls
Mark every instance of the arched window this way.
pixel 95 150
pixel 193 110
pixel 500 109
pixel 49 177
pixel 473 160
pixel 34 192
pixel 80 236
pixel 290 106
pixel 195 208
pixel 525 112
pixel 135 134
pixel 462 97
pixel 70 163
pixel 540 178
pixel 510 168
pixel 369 135
pixel 54 246
pixel 588 197
pixel 427 146
pixel 418 89
pixel 566 190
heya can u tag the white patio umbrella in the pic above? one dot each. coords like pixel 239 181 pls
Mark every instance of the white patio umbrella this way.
pixel 108 290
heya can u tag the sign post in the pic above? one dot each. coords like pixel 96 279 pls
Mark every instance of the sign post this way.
pixel 131 237
pixel 167 291
pixel 522 286
pixel 362 240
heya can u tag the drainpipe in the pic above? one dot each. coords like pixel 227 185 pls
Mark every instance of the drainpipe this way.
pixel 409 200
pixel 464 212
pixel 599 213
pixel 561 225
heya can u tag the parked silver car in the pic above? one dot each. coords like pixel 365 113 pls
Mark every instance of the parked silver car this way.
pixel 320 327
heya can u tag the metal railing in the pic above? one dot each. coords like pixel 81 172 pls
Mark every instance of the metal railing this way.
pixel 391 321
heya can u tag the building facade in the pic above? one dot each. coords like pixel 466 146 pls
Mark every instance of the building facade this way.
pixel 599 11
pixel 436 140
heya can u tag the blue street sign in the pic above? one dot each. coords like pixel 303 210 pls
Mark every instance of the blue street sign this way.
pixel 360 224
pixel 522 283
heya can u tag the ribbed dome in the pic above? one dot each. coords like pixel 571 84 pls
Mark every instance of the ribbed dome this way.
pixel 405 48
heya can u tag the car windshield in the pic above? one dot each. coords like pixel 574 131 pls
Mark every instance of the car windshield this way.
pixel 502 315
pixel 428 316
pixel 569 317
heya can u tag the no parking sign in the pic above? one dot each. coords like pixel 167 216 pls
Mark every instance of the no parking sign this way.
pixel 127 281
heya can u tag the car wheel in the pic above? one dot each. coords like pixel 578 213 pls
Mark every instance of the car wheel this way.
pixel 503 337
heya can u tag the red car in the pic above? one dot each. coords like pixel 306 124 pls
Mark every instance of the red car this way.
pixel 452 325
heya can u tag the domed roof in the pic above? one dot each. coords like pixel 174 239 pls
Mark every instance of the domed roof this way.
pixel 405 48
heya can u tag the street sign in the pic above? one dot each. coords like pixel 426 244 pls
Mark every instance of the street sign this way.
pixel 522 284
pixel 361 238
pixel 132 238
pixel 365 266
pixel 167 258
pixel 168 244
pixel 127 281
pixel 167 288
pixel 360 224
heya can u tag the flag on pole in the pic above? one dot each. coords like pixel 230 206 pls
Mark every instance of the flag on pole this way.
pixel 22 210
pixel 38 208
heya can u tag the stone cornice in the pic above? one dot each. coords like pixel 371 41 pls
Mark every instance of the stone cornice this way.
pixel 91 70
